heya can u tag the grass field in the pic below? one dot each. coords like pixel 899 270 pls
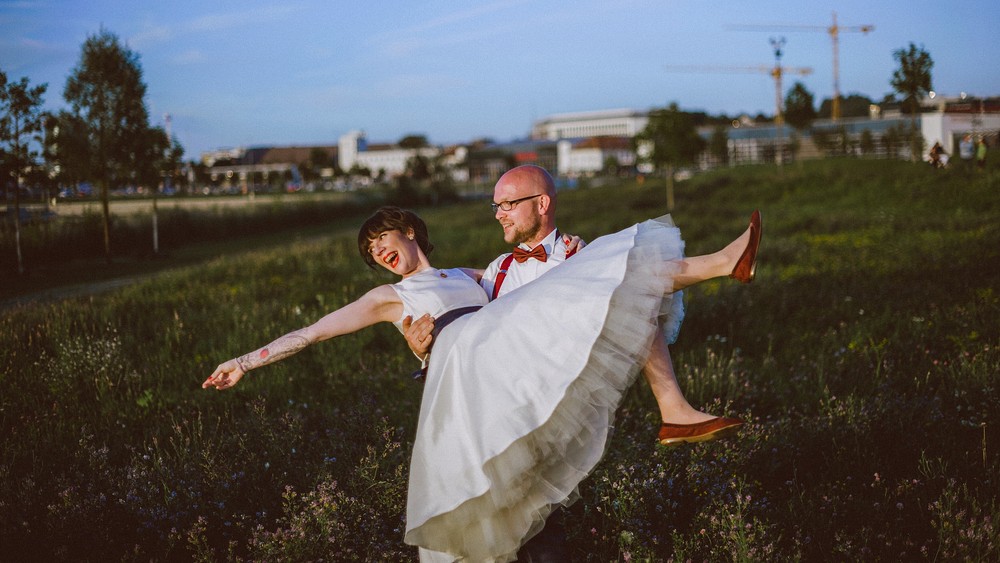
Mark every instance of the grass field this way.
pixel 865 357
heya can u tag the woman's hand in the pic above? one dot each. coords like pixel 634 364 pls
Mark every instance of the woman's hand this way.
pixel 224 376
pixel 574 244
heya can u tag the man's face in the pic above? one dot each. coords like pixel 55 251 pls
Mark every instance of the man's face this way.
pixel 523 222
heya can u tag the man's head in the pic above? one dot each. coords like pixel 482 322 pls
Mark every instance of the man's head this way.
pixel 530 194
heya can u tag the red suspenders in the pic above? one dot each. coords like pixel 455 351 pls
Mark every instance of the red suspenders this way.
pixel 504 266
pixel 501 275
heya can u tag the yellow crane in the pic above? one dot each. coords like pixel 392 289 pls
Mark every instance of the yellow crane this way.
pixel 777 72
pixel 834 30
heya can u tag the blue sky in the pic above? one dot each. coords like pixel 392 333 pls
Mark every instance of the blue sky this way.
pixel 246 73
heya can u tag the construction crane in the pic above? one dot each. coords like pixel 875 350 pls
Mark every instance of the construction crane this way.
pixel 834 30
pixel 777 72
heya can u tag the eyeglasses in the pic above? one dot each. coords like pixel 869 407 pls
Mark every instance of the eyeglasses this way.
pixel 508 205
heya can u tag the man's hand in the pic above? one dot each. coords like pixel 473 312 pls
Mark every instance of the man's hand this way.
pixel 418 334
pixel 574 244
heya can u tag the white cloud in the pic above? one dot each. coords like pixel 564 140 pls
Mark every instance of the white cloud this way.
pixel 409 85
pixel 151 34
pixel 243 18
pixel 212 23
pixel 404 41
pixel 191 56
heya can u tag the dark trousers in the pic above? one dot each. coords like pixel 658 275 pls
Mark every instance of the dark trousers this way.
pixel 548 545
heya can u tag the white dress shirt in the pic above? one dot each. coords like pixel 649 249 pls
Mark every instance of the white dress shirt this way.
pixel 529 270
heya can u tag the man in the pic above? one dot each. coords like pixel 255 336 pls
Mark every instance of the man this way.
pixel 524 203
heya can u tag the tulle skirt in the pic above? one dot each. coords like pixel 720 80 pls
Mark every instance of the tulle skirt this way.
pixel 520 396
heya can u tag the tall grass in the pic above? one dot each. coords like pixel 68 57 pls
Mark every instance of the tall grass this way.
pixel 865 358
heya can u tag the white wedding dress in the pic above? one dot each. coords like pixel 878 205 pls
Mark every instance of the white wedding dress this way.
pixel 520 396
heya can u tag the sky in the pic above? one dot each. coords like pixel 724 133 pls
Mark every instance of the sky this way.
pixel 304 72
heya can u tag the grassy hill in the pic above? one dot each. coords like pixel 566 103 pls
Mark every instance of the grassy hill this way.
pixel 865 358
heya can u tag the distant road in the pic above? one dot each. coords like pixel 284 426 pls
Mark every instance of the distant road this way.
pixel 69 208
pixel 68 292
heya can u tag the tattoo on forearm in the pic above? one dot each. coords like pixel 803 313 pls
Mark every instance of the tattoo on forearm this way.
pixel 280 349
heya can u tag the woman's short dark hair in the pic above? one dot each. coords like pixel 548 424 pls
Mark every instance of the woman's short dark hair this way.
pixel 391 218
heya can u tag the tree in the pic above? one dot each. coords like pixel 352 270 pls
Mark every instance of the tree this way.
pixel 148 165
pixel 106 95
pixel 414 142
pixel 319 159
pixel 867 142
pixel 799 109
pixel 912 80
pixel 418 167
pixel 892 141
pixel 610 166
pixel 21 123
pixel 853 105
pixel 668 141
pixel 718 144
pixel 172 164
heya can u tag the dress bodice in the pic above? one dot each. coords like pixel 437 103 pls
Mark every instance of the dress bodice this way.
pixel 434 292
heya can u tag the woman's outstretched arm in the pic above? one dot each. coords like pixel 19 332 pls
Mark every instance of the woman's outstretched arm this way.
pixel 378 305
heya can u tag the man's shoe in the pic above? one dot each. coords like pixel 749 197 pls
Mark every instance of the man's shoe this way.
pixel 746 266
pixel 712 429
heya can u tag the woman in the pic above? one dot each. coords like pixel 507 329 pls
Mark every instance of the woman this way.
pixel 519 398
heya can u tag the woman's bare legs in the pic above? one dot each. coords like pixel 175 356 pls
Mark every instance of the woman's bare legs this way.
pixel 659 372
pixel 682 423
pixel 696 269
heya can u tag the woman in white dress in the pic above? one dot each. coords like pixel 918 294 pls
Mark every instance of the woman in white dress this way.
pixel 519 397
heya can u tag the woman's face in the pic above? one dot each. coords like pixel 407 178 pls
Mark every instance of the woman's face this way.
pixel 396 252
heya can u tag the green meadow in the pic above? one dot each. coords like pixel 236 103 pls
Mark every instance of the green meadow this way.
pixel 865 358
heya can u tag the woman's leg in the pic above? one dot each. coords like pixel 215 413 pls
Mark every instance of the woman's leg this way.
pixel 682 423
pixel 659 372
pixel 735 260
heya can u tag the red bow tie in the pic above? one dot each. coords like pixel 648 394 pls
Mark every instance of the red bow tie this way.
pixel 538 253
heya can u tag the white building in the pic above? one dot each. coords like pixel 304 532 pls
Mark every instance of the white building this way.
pixel 951 123
pixel 606 123
pixel 391 159
pixel 589 156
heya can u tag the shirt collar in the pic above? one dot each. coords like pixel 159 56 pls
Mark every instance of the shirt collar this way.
pixel 548 243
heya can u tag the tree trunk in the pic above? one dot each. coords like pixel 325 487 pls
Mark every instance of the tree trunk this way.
pixel 17 225
pixel 670 188
pixel 106 211
pixel 156 231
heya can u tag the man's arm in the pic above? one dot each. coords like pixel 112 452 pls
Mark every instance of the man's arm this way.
pixel 418 335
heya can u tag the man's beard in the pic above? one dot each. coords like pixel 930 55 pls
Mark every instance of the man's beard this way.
pixel 524 234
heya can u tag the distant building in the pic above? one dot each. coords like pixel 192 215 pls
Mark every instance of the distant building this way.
pixel 943 121
pixel 389 159
pixel 951 118
pixel 248 168
pixel 586 143
pixel 591 156
pixel 606 123
pixel 486 163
